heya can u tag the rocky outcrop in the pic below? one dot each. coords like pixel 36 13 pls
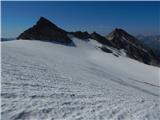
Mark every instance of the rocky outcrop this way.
pixel 101 39
pixel 132 46
pixel 46 31
pixel 81 35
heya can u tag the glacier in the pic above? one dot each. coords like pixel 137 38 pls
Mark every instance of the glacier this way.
pixel 46 81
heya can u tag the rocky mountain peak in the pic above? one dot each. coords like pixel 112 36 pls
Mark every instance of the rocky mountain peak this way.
pixel 120 35
pixel 132 46
pixel 47 31
pixel 45 23
pixel 43 20
pixel 119 30
pixel 116 33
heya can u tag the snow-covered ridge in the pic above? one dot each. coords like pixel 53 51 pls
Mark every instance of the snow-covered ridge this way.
pixel 42 80
pixel 119 39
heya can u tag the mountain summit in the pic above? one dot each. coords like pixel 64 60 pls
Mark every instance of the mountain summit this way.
pixel 132 47
pixel 46 31
pixel 120 35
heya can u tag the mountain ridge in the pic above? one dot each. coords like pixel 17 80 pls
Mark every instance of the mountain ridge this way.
pixel 119 39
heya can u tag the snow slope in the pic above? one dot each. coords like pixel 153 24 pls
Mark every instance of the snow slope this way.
pixel 45 81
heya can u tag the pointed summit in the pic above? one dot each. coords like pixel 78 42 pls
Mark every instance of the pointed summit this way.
pixel 45 30
pixel 120 35
pixel 43 19
pixel 45 22
pixel 117 32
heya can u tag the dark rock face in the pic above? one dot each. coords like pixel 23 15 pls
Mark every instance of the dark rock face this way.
pixel 101 39
pixel 106 49
pixel 46 31
pixel 121 38
pixel 132 46
pixel 81 35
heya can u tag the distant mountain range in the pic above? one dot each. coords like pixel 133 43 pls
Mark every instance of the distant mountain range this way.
pixel 118 39
pixel 152 42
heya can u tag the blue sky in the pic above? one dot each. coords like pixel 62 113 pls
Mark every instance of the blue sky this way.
pixel 102 17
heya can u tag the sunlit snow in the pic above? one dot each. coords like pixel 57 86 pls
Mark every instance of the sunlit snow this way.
pixel 47 81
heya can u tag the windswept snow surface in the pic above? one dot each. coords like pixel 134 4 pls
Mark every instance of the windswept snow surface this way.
pixel 47 81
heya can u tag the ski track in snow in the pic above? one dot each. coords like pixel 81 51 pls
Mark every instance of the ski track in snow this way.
pixel 44 81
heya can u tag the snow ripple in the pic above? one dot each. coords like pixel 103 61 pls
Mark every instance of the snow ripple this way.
pixel 34 89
